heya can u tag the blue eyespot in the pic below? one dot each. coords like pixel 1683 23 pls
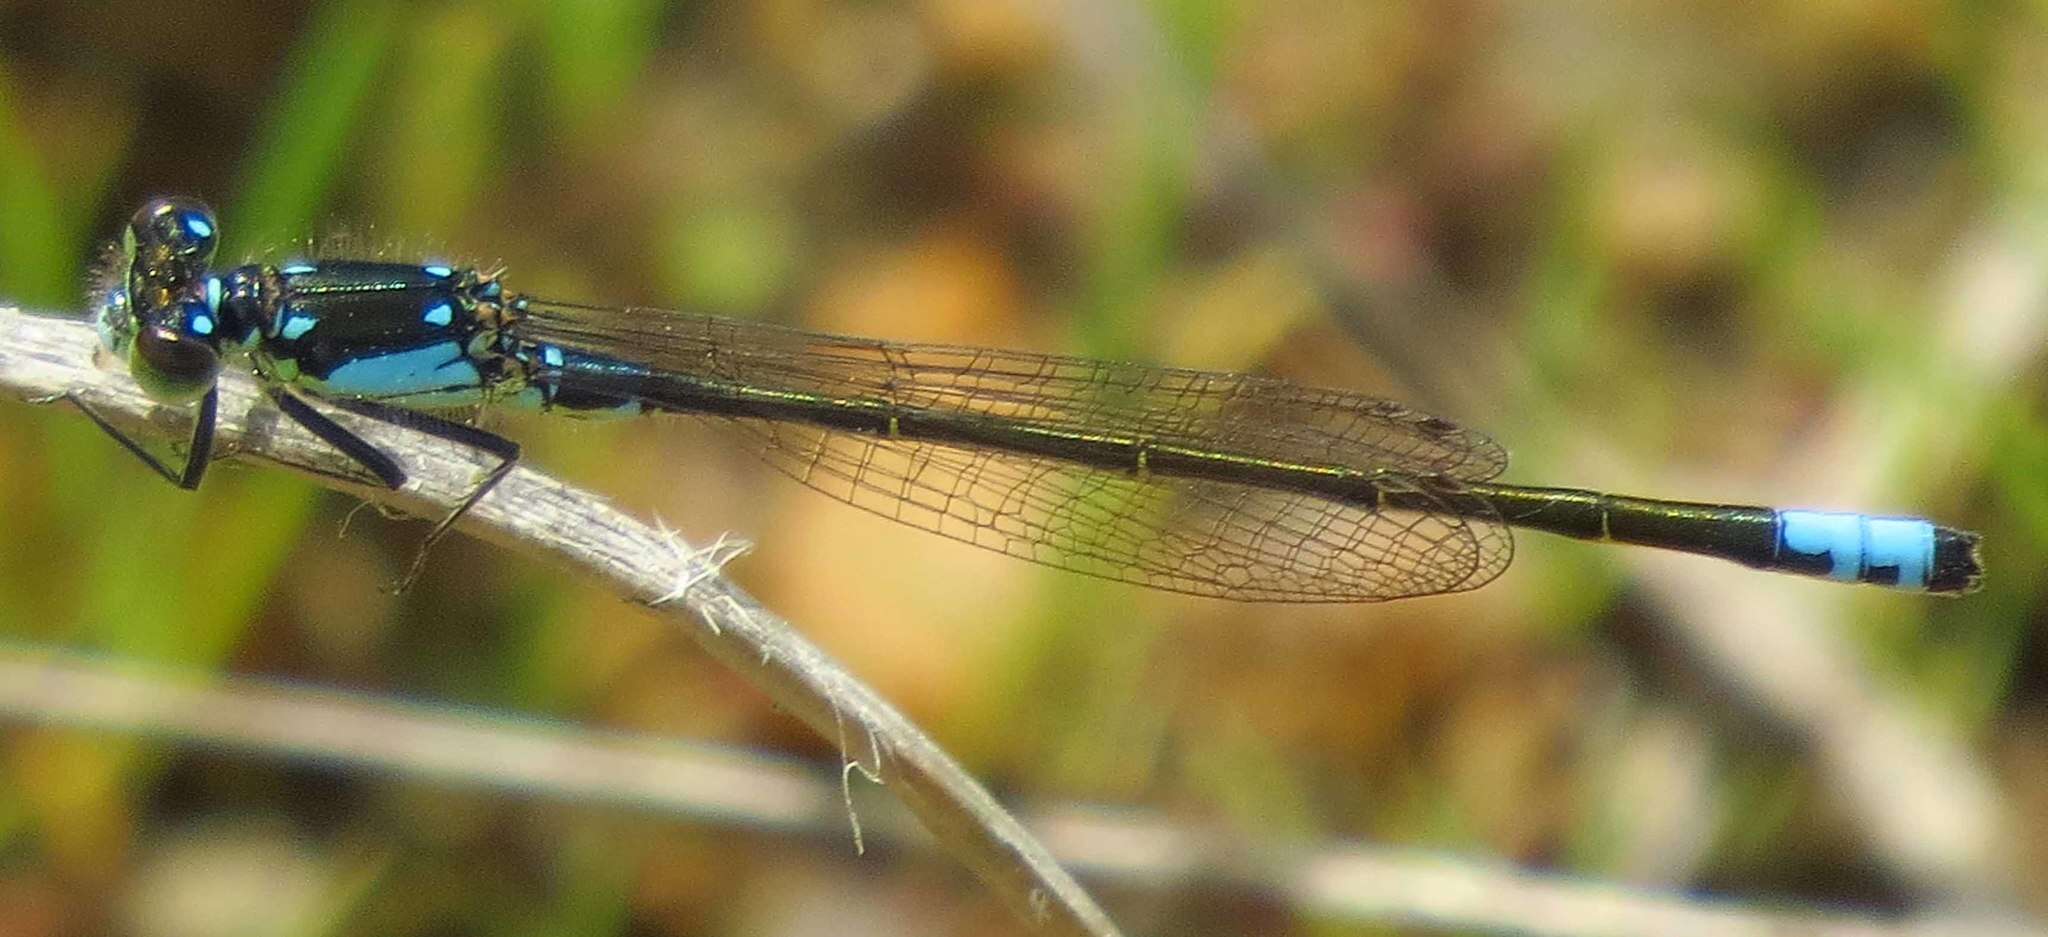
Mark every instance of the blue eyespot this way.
pixel 198 319
pixel 179 229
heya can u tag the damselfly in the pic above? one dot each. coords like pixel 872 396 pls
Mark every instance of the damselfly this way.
pixel 1204 482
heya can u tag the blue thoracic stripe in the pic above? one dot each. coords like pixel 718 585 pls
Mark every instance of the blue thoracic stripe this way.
pixel 294 323
pixel 1855 545
pixel 430 369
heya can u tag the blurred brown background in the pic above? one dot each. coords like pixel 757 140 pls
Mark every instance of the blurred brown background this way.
pixel 1786 253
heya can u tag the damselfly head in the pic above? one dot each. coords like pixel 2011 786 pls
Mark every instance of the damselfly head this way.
pixel 155 302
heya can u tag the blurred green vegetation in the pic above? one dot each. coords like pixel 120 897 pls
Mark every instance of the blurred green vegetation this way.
pixel 1655 248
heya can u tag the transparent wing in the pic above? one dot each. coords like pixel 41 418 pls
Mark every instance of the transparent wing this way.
pixel 1184 535
pixel 1201 536
pixel 1212 410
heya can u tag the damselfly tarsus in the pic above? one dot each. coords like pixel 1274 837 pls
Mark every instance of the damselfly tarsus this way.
pixel 1205 482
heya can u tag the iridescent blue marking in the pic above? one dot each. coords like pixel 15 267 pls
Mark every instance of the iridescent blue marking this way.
pixel 551 356
pixel 435 368
pixel 295 324
pixel 198 320
pixel 213 292
pixel 198 226
pixel 292 270
pixel 441 312
pixel 439 270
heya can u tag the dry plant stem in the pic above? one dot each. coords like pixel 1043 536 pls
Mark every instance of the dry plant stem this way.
pixel 44 358
pixel 1332 880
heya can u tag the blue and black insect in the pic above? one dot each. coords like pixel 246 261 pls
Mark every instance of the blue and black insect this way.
pixel 1211 483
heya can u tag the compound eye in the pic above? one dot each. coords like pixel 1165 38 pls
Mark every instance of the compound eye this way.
pixel 177 230
pixel 173 366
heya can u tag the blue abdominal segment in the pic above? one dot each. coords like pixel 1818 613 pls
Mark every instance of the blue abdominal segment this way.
pixel 584 384
pixel 1889 551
